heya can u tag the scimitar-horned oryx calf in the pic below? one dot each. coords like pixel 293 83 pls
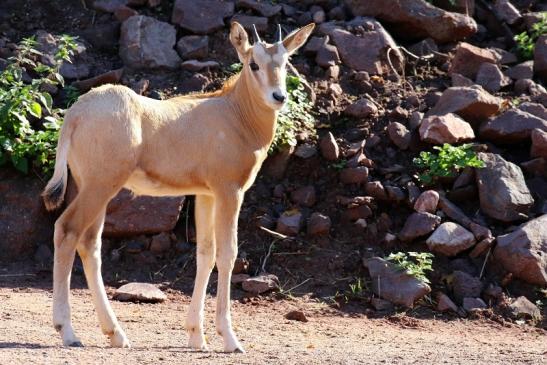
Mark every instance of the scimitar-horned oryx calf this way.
pixel 210 145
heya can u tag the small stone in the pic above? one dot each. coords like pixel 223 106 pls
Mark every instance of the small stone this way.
pixel 123 12
pixel 247 22
pixel 468 59
pixel 263 8
pixel 445 304
pixel 305 151
pixel 160 243
pixel 465 285
pixel 539 143
pixel 139 292
pixel 319 224
pixel 241 265
pixel 491 78
pixel 450 239
pixel 362 108
pixel 418 225
pixel 329 148
pixel 540 58
pixel 193 47
pixel 524 70
pixel 327 56
pixel 460 80
pixel 482 247
pixel 395 194
pixel 471 304
pixel 201 17
pixel 304 196
pixel 239 278
pixel 522 308
pixel 376 190
pixel 399 135
pixel 506 11
pixel 427 202
pixel 296 316
pixel 448 128
pixel 289 223
pixel 359 212
pixel 356 175
pixel 261 284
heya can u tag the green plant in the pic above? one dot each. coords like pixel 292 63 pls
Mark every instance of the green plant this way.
pixel 295 117
pixel 447 162
pixel 526 40
pixel 29 124
pixel 71 95
pixel 415 263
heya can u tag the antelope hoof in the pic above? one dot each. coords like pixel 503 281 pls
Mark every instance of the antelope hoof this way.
pixel 119 339
pixel 233 345
pixel 197 342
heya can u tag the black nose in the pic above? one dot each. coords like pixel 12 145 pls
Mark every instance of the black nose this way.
pixel 279 97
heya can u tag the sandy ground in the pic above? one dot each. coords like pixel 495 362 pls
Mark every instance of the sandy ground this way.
pixel 156 332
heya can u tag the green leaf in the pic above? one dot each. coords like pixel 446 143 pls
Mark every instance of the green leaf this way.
pixel 35 109
pixel 20 163
pixel 46 100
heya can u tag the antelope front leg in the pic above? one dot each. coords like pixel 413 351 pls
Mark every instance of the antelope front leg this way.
pixel 204 216
pixel 226 215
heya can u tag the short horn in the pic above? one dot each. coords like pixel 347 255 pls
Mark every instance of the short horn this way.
pixel 279 33
pixel 255 34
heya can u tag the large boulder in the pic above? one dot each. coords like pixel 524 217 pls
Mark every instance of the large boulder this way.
pixel 448 128
pixel 148 43
pixel 416 19
pixel 513 126
pixel 468 60
pixel 24 222
pixel 503 193
pixel 368 50
pixel 201 17
pixel 474 104
pixel 540 58
pixel 132 216
pixel 394 284
pixel 450 239
pixel 523 252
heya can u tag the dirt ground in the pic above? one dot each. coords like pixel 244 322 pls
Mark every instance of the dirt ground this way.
pixel 330 337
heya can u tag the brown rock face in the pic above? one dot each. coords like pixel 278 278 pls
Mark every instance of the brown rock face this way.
pixel 24 222
pixel 366 52
pixel 394 284
pixel 201 17
pixel 503 193
pixel 148 43
pixel 523 252
pixel 473 103
pixel 448 128
pixel 416 19
pixel 512 126
pixel 468 59
pixel 132 216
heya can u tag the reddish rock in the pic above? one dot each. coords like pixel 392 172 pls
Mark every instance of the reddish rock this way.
pixel 481 247
pixel 359 212
pixel 110 77
pixel 239 278
pixel 356 175
pixel 506 11
pixel 445 304
pixel 24 222
pixel 490 77
pixel 148 43
pixel 160 243
pixel 329 148
pixel 139 292
pixel 261 284
pixel 523 252
pixel 241 265
pixel 393 284
pixel 296 316
pixel 318 224
pixel 471 304
pixel 524 70
pixel 362 108
pixel 503 193
pixel 449 239
pixel 304 196
pixel 124 12
pixel 448 128
pixel 327 56
pixel 289 223
pixel 366 52
pixel 276 164
pixel 534 108
pixel 427 202
pixel 376 190
pixel 416 19
pixel 460 80
pixel 193 47
pixel 468 59
pixel 132 216
pixel 473 104
pixel 539 143
pixel 540 58
pixel 418 225
pixel 522 308
pixel 513 126
pixel 263 8
pixel 399 135
pixel 201 17
pixel 247 22
pixel 465 286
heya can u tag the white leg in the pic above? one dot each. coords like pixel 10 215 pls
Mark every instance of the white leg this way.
pixel 226 215
pixel 65 248
pixel 205 262
pixel 90 253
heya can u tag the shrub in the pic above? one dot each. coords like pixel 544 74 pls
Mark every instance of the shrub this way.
pixel 526 41
pixel 29 124
pixel 295 117
pixel 447 162
pixel 415 263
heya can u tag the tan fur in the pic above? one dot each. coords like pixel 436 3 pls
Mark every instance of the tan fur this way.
pixel 210 145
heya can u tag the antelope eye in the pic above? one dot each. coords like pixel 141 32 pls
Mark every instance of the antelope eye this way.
pixel 254 66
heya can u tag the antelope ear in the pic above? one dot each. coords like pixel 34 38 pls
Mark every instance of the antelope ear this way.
pixel 297 38
pixel 239 39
